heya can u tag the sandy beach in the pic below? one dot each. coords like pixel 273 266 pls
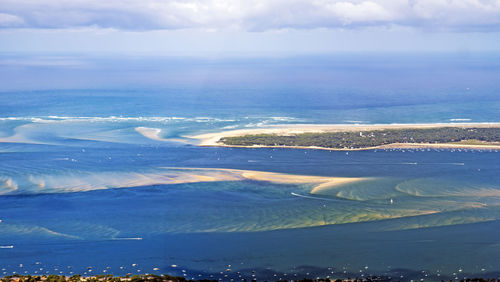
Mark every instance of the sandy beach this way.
pixel 211 139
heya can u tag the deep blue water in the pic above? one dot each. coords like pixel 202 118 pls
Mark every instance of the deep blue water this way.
pixel 83 191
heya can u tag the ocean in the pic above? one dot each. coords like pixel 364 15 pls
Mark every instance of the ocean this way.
pixel 99 173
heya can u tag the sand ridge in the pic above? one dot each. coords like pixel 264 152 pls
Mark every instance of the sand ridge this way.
pixel 221 174
pixel 63 183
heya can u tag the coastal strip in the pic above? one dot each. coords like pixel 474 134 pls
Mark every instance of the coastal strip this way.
pixel 368 137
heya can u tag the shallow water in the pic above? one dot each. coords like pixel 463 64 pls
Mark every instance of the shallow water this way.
pixel 84 189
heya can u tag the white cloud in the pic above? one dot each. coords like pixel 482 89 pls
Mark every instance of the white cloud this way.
pixel 7 20
pixel 250 15
pixel 363 12
pixel 464 14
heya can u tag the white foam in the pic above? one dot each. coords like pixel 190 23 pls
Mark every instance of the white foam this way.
pixel 284 119
pixel 52 118
pixel 160 119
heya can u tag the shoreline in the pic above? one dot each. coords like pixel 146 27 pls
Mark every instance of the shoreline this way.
pixel 382 147
pixel 211 139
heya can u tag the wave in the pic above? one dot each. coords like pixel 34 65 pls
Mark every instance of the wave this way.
pixel 55 130
pixel 354 121
pixel 286 119
pixel 51 119
pixel 63 134
pixel 267 121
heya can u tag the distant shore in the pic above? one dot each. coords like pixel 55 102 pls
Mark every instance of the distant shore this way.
pixel 213 139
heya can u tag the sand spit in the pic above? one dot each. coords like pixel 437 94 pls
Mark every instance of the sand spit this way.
pixel 151 133
pixel 211 139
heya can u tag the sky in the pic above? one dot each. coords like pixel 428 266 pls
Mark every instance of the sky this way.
pixel 249 27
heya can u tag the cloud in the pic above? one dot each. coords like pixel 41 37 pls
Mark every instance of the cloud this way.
pixel 7 20
pixel 250 15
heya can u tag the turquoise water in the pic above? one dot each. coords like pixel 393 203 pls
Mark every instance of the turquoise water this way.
pixel 84 190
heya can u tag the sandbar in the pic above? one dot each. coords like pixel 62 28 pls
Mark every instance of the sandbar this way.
pixel 162 176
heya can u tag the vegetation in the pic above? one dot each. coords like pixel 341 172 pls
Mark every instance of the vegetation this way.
pixel 475 142
pixel 372 138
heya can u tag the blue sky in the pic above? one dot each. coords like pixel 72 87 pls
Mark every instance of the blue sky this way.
pixel 221 27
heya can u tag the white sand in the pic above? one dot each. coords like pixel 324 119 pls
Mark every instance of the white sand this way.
pixel 211 139
pixel 151 133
